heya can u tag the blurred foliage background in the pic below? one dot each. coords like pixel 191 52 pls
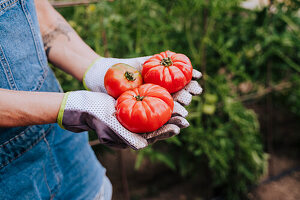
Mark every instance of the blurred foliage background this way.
pixel 245 55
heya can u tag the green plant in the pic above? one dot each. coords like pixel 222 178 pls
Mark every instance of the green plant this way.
pixel 234 47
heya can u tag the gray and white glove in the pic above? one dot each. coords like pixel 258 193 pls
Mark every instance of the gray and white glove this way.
pixel 184 96
pixel 94 77
pixel 84 110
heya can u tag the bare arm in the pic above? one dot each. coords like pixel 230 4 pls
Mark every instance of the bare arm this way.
pixel 22 108
pixel 64 48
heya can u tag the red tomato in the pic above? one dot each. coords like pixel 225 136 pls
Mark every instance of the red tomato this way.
pixel 120 78
pixel 170 70
pixel 144 109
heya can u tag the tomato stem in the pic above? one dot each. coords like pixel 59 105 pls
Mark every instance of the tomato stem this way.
pixel 166 62
pixel 129 76
pixel 139 98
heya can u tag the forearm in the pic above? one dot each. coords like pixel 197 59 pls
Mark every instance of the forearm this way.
pixel 64 48
pixel 23 108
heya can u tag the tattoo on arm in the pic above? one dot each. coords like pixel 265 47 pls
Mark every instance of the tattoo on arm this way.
pixel 61 28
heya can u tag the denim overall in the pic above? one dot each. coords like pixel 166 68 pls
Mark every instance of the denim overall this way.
pixel 42 161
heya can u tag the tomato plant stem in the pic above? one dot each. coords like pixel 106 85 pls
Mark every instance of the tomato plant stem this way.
pixel 139 98
pixel 129 76
pixel 166 62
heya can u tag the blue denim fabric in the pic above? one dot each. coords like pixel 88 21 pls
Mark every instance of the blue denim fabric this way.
pixel 106 191
pixel 42 161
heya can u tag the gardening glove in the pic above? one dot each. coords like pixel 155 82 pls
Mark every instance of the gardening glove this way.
pixel 184 96
pixel 93 78
pixel 84 110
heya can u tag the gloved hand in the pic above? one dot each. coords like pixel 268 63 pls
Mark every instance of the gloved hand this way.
pixel 84 110
pixel 94 77
pixel 184 96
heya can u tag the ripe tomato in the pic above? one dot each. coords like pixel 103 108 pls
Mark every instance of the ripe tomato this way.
pixel 120 78
pixel 144 109
pixel 170 70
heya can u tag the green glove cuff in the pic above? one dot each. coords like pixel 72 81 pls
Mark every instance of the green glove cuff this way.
pixel 84 75
pixel 61 110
